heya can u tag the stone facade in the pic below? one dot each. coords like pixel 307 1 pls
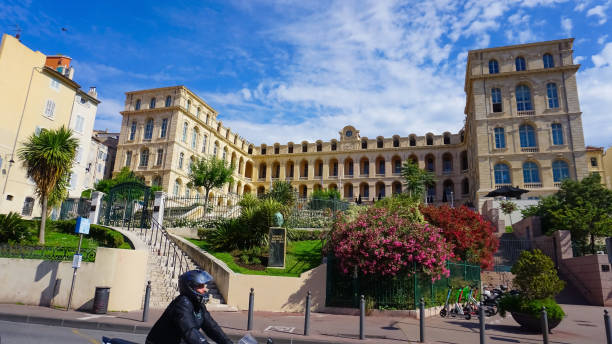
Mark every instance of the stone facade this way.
pixel 542 143
pixel 597 163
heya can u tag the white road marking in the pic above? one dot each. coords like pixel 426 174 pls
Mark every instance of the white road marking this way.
pixel 95 316
pixel 285 329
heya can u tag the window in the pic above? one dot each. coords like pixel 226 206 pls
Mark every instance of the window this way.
pixel 551 93
pixel 185 125
pixel 137 106
pixel 379 143
pixel 557 133
pixel 334 146
pixel 198 112
pixel 319 147
pixel 181 159
pixel 152 103
pixel 168 101
pixel 381 167
pixel 447 139
pixel 224 154
pixel 523 98
pixel 465 187
pixel 527 136
pixel 397 167
pixel 144 158
pixel 493 67
pixel 594 162
pixel 250 150
pixel 496 99
pixel 160 156
pixel 194 138
pixel 263 150
pixel 54 84
pixel 531 173
pixel 335 168
pixel 520 63
pixel 276 150
pixel 500 138
pixel 204 139
pixel 216 149
pixel 78 155
pixel 188 105
pixel 133 131
pixel 304 148
pixel 395 142
pixel 290 149
pixel 148 133
pixel 548 61
pixel 430 164
pixel 412 141
pixel 177 186
pixel 560 171
pixel 349 133
pixel 502 174
pixel 49 108
pixel 164 128
pixel 128 159
pixel 447 163
pixel 429 140
pixel 78 126
pixel 364 144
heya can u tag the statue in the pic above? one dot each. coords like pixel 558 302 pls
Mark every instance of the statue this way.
pixel 278 219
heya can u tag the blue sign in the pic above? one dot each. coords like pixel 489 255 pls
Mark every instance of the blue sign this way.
pixel 82 225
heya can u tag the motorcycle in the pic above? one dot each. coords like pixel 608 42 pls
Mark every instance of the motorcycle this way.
pixel 247 339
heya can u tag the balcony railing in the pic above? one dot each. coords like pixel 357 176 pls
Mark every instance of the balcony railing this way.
pixel 303 177
pixel 526 113
pixel 557 184
pixel 274 179
pixel 499 186
pixel 261 179
pixel 529 149
pixel 333 177
pixel 380 174
pixel 289 178
pixel 348 175
pixel 533 185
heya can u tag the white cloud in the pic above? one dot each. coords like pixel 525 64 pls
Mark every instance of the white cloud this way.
pixel 600 12
pixel 108 116
pixel 602 39
pixel 566 25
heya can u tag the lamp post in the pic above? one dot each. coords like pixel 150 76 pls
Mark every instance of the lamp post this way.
pixel 452 200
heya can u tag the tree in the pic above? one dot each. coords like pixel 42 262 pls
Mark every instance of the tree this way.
pixel 417 180
pixel 124 176
pixel 282 192
pixel 59 192
pixel 508 207
pixel 47 157
pixel 582 207
pixel 210 173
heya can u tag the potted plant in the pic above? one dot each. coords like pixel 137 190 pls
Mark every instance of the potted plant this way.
pixel 536 278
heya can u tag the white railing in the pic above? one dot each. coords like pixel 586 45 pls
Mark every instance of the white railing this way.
pixel 529 149
pixel 499 186
pixel 526 113
pixel 557 184
pixel 533 185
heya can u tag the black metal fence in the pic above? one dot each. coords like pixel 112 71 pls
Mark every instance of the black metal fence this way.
pixel 395 292
pixel 57 253
pixel 196 212
pixel 315 213
pixel 72 208
pixel 509 252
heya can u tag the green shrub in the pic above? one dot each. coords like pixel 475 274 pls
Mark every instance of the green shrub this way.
pixel 404 205
pixel 535 276
pixel 516 303
pixel 301 234
pixel 105 237
pixel 203 233
pixel 12 228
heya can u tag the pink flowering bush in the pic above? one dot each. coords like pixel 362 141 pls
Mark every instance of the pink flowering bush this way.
pixel 381 242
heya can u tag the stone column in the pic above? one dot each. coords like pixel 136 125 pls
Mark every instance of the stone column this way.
pixel 158 208
pixel 94 209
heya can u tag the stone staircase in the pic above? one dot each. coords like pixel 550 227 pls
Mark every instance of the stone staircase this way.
pixel 166 261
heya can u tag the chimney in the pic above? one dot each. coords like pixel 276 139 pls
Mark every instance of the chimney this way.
pixel 92 92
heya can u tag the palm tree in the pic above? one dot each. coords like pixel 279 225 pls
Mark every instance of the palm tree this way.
pixel 47 157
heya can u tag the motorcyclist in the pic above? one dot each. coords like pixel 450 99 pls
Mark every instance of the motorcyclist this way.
pixel 187 314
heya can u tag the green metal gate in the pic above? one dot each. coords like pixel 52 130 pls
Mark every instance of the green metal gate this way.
pixel 127 205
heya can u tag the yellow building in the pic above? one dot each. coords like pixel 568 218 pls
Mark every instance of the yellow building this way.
pixel 33 96
pixel 596 163
pixel 523 128
pixel 607 164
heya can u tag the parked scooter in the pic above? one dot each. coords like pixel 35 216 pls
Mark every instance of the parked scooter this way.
pixel 457 308
pixel 444 311
pixel 472 305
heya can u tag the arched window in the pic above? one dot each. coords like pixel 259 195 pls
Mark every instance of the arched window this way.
pixel 133 130
pixel 430 163
pixel 520 63
pixel 531 172
pixel 250 150
pixel 276 149
pixel 500 138
pixel 224 156
pixel 157 181
pixel 465 186
pixel 429 140
pixel 493 67
pixel 548 61
pixel 152 103
pixel 144 158
pixel 334 146
pixel 379 143
pixel 304 147
pixel 168 101
pixel 527 136
pixel 496 99
pixel 447 163
pixel 263 150
pixel 523 98
pixel 185 126
pixel 551 94
pixel 412 141
pixel 502 174
pixel 319 147
pixel 431 193
pixel 204 139
pixel 137 106
pixel 177 187
pixel 560 171
pixel 148 133
pixel 216 149
pixel 447 139
pixel 194 138
pixel 188 105
pixel 364 144
pixel 181 159
pixel 198 112
pixel 557 133
pixel 396 142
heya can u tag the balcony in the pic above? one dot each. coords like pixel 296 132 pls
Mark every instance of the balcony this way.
pixel 499 186
pixel 274 179
pixel 530 149
pixel 289 178
pixel 532 185
pixel 525 113
pixel 380 175
pixel 261 179
pixel 557 184
pixel 303 177
pixel 333 177
pixel 397 173
pixel 348 175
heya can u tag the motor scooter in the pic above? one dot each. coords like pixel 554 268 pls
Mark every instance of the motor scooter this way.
pixel 247 339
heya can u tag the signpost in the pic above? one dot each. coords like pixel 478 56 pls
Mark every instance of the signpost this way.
pixel 82 227
pixel 278 247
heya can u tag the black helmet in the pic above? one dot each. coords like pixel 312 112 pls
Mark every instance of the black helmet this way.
pixel 188 282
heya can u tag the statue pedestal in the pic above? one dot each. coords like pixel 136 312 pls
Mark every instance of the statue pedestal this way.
pixel 278 247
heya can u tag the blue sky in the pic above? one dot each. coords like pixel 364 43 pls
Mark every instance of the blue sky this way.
pixel 301 70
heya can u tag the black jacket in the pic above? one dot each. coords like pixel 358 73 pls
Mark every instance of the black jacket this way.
pixel 182 320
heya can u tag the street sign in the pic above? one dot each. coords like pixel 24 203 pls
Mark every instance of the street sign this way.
pixel 76 261
pixel 82 225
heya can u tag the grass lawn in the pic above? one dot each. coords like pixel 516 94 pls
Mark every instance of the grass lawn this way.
pixel 301 256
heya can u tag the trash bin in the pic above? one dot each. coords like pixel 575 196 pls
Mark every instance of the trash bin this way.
pixel 100 303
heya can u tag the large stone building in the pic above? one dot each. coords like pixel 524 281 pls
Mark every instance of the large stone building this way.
pixel 37 92
pixel 523 128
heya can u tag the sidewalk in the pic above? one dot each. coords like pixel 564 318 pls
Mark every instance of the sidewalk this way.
pixel 584 324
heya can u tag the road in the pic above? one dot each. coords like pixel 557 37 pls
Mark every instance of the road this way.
pixel 22 333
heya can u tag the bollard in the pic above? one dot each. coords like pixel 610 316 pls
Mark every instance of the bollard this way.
pixel 361 317
pixel 250 319
pixel 307 315
pixel 607 323
pixel 145 309
pixel 544 325
pixel 422 321
pixel 481 317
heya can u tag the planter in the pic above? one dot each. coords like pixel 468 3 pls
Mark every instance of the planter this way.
pixel 532 323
